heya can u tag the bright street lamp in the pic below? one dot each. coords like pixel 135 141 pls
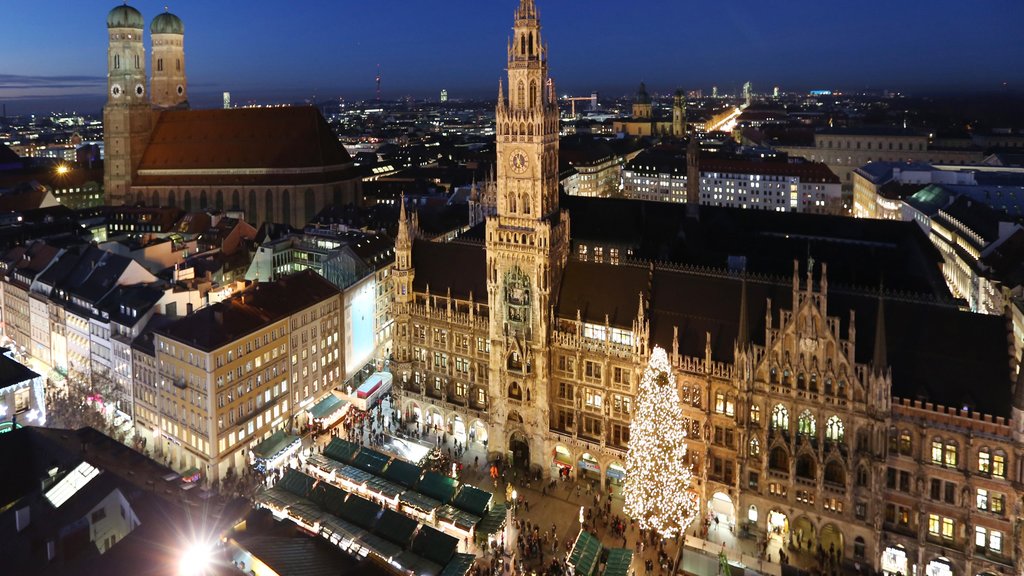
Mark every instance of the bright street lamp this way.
pixel 196 559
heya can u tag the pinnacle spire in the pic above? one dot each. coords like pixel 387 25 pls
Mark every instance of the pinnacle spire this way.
pixel 403 222
pixel 527 10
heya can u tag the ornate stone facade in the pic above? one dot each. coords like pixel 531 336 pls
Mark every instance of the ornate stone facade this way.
pixel 801 402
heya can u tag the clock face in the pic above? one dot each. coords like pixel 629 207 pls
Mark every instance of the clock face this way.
pixel 139 90
pixel 115 90
pixel 519 162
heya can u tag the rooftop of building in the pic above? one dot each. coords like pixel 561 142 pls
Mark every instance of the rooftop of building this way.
pixel 257 306
pixel 762 242
pixel 282 141
pixel 458 266
pixel 13 372
pixel 880 131
pixel 932 347
pixel 160 506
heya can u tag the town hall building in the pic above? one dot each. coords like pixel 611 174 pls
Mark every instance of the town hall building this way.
pixel 882 425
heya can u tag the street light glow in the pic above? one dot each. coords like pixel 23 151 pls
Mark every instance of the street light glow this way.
pixel 62 169
pixel 196 559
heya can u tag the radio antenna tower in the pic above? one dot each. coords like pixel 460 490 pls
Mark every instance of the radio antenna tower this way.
pixel 378 82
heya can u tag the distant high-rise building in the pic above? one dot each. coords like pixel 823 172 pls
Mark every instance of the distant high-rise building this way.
pixel 775 92
pixel 714 91
pixel 748 93
pixel 227 100
pixel 444 95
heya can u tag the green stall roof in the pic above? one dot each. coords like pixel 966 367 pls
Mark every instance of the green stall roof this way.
pixel 296 482
pixel 619 560
pixel 437 486
pixel 435 545
pixel 274 445
pixel 371 461
pixel 329 497
pixel 341 450
pixel 472 500
pixel 412 562
pixel 327 407
pixel 404 473
pixel 493 522
pixel 459 566
pixel 424 504
pixel 360 512
pixel 396 527
pixel 585 553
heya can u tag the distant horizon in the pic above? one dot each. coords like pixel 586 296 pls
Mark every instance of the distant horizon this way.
pixel 93 105
pixel 267 50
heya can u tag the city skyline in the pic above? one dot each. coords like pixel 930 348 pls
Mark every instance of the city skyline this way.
pixel 806 47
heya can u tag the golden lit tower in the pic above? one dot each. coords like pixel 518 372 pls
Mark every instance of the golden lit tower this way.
pixel 169 88
pixel 679 114
pixel 127 119
pixel 642 107
pixel 526 245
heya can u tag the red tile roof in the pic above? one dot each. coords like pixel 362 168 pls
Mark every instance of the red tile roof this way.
pixel 277 140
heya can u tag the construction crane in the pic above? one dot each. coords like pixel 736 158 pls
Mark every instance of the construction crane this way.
pixel 573 99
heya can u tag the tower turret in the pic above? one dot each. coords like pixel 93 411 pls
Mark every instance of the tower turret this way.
pixel 169 88
pixel 679 114
pixel 403 257
pixel 126 117
pixel 642 104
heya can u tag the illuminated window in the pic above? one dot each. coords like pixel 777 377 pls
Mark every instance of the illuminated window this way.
pixel 950 458
pixel 947 528
pixel 905 443
pixel 755 414
pixel 780 418
pixel 755 447
pixel 806 424
pixel 984 461
pixel 999 465
pixel 936 452
pixel 834 429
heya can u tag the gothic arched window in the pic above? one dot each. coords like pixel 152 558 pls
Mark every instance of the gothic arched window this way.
pixel 807 426
pixel 834 429
pixel 780 418
pixel 515 391
pixel 117 61
pixel 159 64
pixel 755 447
pixel 533 93
pixel 521 95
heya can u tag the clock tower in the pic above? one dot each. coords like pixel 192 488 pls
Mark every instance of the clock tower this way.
pixel 527 246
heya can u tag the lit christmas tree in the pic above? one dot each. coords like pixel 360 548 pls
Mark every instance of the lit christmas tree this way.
pixel 657 486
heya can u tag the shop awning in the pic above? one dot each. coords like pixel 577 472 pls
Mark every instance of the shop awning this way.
pixel 472 500
pixel 459 518
pixel 296 482
pixel 277 444
pixel 424 504
pixel 585 554
pixel 341 450
pixel 404 473
pixel 437 486
pixel 493 522
pixel 328 496
pixel 619 560
pixel 328 407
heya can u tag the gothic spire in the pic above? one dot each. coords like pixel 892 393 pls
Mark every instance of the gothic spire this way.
pixel 403 238
pixel 527 10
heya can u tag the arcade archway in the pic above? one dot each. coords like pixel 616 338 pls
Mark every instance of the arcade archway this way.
pixel 894 560
pixel 519 450
pixel 722 508
pixel 478 432
pixel 561 460
pixel 616 474
pixel 458 428
pixel 832 541
pixel 589 467
pixel 803 535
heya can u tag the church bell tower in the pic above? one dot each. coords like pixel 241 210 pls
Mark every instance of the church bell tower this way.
pixel 127 117
pixel 527 243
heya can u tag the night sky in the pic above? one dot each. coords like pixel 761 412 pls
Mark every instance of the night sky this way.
pixel 279 51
